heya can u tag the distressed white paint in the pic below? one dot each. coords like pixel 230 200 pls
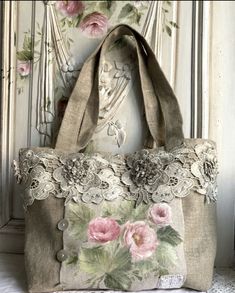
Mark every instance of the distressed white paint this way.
pixel 11 232
pixel 206 47
pixel 222 119
pixel 183 62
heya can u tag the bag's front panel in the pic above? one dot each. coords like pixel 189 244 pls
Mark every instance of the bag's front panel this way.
pixel 113 245
pixel 120 211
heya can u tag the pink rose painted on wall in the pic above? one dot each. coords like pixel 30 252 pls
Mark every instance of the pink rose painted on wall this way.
pixel 141 240
pixel 70 8
pixel 103 230
pixel 94 25
pixel 161 214
pixel 24 68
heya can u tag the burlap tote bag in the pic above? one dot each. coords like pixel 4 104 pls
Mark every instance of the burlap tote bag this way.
pixel 122 222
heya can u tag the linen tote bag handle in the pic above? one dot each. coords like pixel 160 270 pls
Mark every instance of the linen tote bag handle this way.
pixel 161 107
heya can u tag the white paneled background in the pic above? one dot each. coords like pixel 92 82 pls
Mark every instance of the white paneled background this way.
pixel 198 60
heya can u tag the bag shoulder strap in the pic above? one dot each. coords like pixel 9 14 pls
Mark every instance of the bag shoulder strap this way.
pixel 161 107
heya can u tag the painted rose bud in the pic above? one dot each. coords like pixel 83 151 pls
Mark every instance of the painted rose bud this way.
pixel 70 8
pixel 141 240
pixel 94 25
pixel 24 68
pixel 160 214
pixel 103 230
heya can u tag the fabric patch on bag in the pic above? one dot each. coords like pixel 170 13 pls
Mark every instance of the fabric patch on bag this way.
pixel 171 282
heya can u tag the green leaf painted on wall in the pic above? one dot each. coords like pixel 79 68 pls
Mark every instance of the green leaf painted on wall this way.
pixel 104 7
pixel 174 24
pixel 126 10
pixel 168 30
pixel 24 55
pixel 27 44
pixel 169 235
pixel 131 13
pixel 79 216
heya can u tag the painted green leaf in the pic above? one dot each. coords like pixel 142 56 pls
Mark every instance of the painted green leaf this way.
pixel 90 7
pixel 27 44
pixel 79 216
pixel 163 271
pixel 126 211
pixel 139 213
pixel 138 18
pixel 109 3
pixel 168 30
pixel 77 20
pixel 126 10
pixel 117 280
pixel 113 267
pixel 94 261
pixel 103 6
pixel 24 55
pixel 169 235
pixel 166 255
pixel 145 268
pixel 121 260
pixel 174 24
pixel 134 17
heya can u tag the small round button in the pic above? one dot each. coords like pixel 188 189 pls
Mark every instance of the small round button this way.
pixel 63 225
pixel 62 255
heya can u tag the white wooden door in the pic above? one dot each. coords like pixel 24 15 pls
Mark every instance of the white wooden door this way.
pixel 197 58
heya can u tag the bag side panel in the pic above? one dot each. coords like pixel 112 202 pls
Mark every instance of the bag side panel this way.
pixel 200 241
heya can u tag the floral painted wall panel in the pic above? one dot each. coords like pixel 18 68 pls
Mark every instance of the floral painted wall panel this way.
pixel 54 39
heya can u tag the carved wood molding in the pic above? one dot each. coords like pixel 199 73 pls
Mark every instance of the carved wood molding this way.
pixel 9 227
pixel 200 68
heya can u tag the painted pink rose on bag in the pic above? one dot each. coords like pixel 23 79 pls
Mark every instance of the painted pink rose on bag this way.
pixel 141 239
pixel 103 230
pixel 24 68
pixel 70 8
pixel 94 25
pixel 160 214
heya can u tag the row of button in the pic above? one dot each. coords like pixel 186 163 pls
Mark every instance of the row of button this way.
pixel 62 255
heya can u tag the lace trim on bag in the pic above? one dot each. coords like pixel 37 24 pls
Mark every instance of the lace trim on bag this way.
pixel 144 176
